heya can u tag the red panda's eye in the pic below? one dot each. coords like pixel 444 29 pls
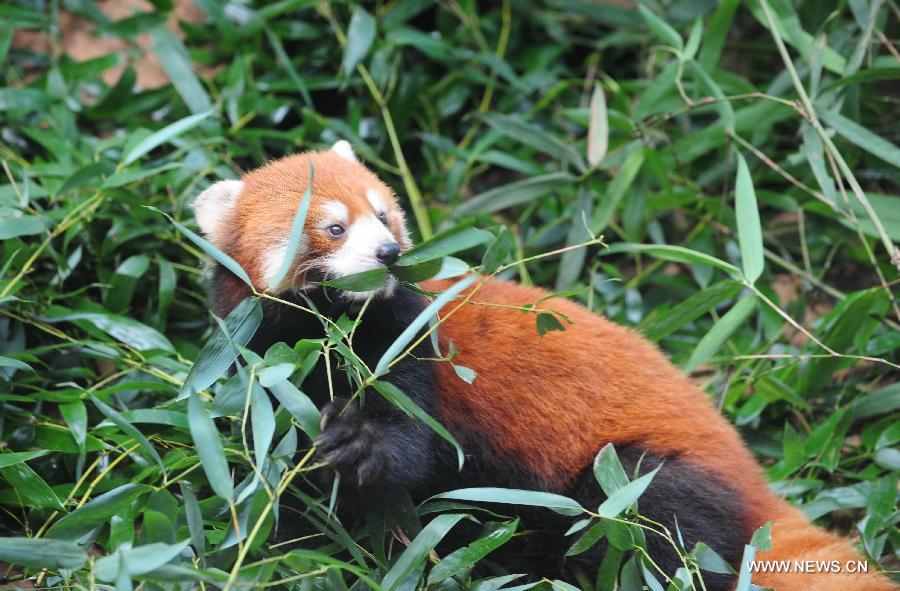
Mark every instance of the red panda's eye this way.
pixel 335 230
pixel 383 217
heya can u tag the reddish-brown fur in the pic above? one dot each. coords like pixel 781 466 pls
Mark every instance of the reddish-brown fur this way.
pixel 551 402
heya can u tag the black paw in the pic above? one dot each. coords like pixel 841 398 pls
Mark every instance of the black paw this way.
pixel 351 445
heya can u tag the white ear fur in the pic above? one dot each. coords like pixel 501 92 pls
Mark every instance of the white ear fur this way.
pixel 212 206
pixel 343 149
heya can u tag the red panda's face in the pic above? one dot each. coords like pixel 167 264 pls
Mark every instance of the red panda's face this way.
pixel 354 223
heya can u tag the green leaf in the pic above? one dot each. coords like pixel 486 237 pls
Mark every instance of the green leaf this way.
pixel 547 322
pixel 358 282
pixel 299 406
pixel 588 539
pixel 96 512
pixel 415 554
pixel 398 398
pixel 749 228
pixel 13 458
pixel 814 152
pixel 219 352
pixel 616 190
pixel 26 225
pixel 881 402
pixel 716 33
pixel 450 241
pixel 419 323
pixel 515 193
pixel 31 489
pixel 123 283
pixel 677 254
pixel 360 35
pixel 512 496
pixel 137 561
pixel 719 333
pixel 663 31
pixel 15 364
pixel 262 420
pixel 852 318
pixel 88 174
pixel 420 272
pixel 762 537
pixel 793 447
pixel 174 58
pixel 608 470
pixel 166 134
pixel 693 42
pixel 709 560
pixel 122 328
pixel 467 557
pixel 207 247
pixel 861 137
pixel 598 130
pixel 498 252
pixel 626 496
pixel 194 518
pixel 663 324
pixel 296 235
pixel 572 261
pixel 209 447
pixel 75 416
pixel 42 553
pixel 274 374
pixel 129 430
pixel 534 137
pixel 722 104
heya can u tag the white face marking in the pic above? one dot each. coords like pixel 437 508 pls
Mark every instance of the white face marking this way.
pixel 213 206
pixel 343 149
pixel 335 212
pixel 376 201
pixel 357 254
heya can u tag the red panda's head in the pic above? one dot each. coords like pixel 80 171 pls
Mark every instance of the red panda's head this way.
pixel 354 223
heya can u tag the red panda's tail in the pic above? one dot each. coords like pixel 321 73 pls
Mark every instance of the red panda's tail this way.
pixel 807 558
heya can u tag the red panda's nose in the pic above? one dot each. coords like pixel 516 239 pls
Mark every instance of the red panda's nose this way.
pixel 387 254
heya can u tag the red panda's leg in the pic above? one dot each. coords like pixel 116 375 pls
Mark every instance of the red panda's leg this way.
pixel 690 503
pixel 375 448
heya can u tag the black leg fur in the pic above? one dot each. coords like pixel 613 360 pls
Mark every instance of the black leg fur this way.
pixel 704 509
pixel 374 446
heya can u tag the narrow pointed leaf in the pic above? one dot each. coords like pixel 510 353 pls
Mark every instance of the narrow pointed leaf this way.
pixel 749 228
pixel 209 447
pixel 719 333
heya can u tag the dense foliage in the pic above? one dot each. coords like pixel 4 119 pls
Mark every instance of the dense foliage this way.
pixel 736 157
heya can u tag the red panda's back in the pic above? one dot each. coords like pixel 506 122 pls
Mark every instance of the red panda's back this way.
pixel 556 400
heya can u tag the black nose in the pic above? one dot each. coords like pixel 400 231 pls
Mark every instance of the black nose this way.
pixel 387 254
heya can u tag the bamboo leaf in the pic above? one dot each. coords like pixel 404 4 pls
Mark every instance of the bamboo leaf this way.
pixel 416 553
pixel 720 332
pixel 598 130
pixel 749 228
pixel 209 448
pixel 166 134
pixel 419 323
pixel 360 35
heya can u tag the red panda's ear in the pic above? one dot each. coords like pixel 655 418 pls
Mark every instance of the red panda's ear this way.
pixel 343 149
pixel 213 207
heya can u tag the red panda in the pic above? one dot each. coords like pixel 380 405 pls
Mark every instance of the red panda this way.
pixel 541 407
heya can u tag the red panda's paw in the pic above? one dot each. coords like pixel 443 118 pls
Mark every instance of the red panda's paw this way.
pixel 351 446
